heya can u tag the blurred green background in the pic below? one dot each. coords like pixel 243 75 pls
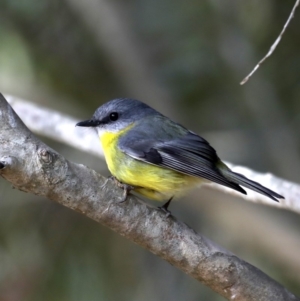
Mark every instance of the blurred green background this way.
pixel 185 58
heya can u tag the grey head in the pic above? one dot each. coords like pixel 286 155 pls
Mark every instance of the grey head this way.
pixel 117 114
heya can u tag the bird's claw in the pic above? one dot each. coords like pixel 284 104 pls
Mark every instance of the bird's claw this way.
pixel 165 206
pixel 126 188
pixel 105 182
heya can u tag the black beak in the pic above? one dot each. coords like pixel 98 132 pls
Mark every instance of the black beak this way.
pixel 88 123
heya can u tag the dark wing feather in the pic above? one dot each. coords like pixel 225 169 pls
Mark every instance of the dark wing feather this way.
pixel 189 154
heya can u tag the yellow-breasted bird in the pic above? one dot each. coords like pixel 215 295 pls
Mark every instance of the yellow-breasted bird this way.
pixel 157 156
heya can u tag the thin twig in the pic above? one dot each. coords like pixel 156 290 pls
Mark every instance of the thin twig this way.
pixel 273 47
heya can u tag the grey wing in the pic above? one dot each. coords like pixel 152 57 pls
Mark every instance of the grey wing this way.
pixel 190 154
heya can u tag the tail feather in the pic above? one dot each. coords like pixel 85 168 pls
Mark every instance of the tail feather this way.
pixel 243 181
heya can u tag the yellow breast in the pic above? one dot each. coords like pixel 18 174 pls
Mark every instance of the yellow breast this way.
pixel 152 181
pixel 113 156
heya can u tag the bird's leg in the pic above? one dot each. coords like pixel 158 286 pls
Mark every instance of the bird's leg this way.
pixel 164 207
pixel 126 188
pixel 105 182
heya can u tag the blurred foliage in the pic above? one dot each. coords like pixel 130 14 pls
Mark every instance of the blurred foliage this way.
pixel 198 51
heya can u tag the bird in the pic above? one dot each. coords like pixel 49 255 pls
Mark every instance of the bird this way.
pixel 157 157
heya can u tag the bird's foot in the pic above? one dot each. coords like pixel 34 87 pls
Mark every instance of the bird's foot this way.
pixel 126 188
pixel 165 206
pixel 105 182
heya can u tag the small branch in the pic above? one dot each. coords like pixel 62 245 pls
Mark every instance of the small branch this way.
pixel 275 44
pixel 32 166
pixel 59 127
pixel 55 125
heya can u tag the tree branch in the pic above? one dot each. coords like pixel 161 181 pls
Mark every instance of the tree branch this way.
pixel 60 127
pixel 274 45
pixel 55 125
pixel 31 166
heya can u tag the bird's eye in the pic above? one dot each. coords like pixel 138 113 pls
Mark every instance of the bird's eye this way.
pixel 113 116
